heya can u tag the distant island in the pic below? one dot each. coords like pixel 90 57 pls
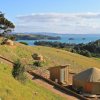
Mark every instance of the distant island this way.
pixel 23 36
pixel 71 38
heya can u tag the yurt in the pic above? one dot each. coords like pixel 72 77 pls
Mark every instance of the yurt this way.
pixel 88 81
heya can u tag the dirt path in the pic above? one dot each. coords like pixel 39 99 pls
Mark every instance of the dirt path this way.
pixel 51 88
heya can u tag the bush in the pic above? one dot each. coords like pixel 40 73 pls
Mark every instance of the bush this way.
pixel 88 54
pixel 11 37
pixel 85 53
pixel 38 64
pixel 73 51
pixel 24 43
pixel 19 71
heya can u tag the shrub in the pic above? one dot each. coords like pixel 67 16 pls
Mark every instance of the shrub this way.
pixel 85 53
pixel 11 37
pixel 73 51
pixel 18 71
pixel 38 64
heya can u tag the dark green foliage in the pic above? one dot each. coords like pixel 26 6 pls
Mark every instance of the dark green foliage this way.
pixel 89 49
pixel 85 53
pixel 6 26
pixel 18 71
pixel 38 64
pixel 73 50
pixel 11 37
pixel 54 44
pixel 24 43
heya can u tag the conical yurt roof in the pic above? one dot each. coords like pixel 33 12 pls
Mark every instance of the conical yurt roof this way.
pixel 89 75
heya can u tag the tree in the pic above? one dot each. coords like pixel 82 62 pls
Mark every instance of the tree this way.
pixel 19 71
pixel 5 25
pixel 85 53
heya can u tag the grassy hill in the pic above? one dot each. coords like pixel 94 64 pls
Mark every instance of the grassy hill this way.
pixel 52 56
pixel 11 89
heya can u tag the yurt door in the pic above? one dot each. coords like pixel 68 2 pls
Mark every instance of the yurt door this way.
pixel 62 75
pixel 88 87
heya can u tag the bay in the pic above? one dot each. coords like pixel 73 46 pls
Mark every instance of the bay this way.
pixel 69 38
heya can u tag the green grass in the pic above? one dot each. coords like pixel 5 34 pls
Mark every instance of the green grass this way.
pixel 11 89
pixel 52 56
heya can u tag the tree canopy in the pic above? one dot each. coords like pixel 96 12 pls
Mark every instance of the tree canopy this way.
pixel 5 25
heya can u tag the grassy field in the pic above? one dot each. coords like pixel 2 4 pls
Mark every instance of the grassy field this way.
pixel 52 56
pixel 11 89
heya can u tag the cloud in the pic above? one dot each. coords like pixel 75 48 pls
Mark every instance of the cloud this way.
pixel 59 22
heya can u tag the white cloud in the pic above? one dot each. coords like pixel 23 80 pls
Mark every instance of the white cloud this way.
pixel 59 22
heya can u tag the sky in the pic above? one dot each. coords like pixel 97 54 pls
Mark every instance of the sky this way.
pixel 58 16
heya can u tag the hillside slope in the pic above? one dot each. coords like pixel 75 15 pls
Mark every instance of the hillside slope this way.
pixel 11 89
pixel 52 56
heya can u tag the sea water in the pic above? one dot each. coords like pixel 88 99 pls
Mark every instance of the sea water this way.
pixel 70 38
